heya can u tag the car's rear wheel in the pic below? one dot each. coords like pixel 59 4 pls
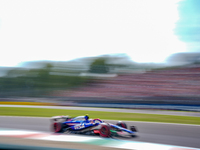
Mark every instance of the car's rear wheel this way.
pixel 104 131
pixel 57 127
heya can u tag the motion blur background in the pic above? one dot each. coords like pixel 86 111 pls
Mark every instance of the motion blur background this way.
pixel 91 52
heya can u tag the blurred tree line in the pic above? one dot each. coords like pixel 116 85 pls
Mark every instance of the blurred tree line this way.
pixel 35 82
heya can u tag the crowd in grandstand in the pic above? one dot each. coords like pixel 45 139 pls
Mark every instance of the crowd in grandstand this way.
pixel 174 82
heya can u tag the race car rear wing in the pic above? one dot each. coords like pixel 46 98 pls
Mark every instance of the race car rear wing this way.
pixel 60 118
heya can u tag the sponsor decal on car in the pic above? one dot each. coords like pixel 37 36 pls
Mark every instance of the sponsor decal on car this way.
pixel 79 126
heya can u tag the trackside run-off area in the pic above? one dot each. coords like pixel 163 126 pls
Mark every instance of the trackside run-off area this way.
pixel 105 143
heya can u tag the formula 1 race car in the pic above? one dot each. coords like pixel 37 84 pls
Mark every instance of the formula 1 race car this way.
pixel 84 125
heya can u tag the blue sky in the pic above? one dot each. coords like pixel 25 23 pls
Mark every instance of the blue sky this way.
pixel 147 31
pixel 188 26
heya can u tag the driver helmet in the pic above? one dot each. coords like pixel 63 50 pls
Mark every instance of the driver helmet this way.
pixel 86 117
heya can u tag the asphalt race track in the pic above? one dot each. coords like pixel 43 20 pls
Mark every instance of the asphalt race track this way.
pixel 172 134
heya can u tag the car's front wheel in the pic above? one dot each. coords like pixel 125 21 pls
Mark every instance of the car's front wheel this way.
pixel 104 131
pixel 122 124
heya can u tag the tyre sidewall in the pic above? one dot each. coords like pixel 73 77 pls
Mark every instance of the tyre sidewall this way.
pixel 104 131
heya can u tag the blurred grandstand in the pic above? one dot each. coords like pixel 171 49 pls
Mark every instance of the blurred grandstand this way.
pixel 179 83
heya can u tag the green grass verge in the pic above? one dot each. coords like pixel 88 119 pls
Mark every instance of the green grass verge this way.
pixel 41 112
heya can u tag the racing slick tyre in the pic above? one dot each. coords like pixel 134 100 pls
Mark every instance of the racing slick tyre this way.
pixel 122 124
pixel 57 127
pixel 104 131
